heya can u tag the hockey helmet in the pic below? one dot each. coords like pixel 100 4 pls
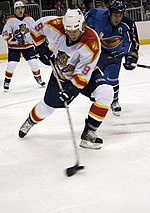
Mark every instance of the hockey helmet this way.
pixel 18 4
pixel 117 7
pixel 73 20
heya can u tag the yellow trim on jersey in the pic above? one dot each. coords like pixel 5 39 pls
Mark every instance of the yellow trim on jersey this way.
pixel 93 58
pixel 38 35
pixel 101 106
pixel 79 81
pixel 54 28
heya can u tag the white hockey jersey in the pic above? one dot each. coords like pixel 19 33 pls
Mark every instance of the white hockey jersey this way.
pixel 76 61
pixel 13 25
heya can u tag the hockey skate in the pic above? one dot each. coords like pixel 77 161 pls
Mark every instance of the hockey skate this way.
pixel 116 108
pixel 24 129
pixel 40 81
pixel 90 140
pixel 6 86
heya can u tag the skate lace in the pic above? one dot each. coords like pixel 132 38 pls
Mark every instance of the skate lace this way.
pixel 115 105
pixel 26 127
pixel 39 80
pixel 6 84
pixel 91 136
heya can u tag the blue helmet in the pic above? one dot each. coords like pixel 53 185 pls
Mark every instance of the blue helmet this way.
pixel 117 7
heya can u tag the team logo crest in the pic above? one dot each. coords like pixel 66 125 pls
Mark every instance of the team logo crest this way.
pixel 61 61
pixel 94 45
pixel 23 29
pixel 56 22
pixel 62 58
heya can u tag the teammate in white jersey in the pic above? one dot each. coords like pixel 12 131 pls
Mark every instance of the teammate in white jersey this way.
pixel 76 52
pixel 17 34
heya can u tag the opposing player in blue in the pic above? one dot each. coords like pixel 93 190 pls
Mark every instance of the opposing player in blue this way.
pixel 119 38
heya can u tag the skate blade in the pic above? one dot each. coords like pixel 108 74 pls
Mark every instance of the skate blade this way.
pixel 6 90
pixel 116 113
pixel 89 145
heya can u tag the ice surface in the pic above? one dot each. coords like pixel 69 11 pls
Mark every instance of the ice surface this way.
pixel 116 178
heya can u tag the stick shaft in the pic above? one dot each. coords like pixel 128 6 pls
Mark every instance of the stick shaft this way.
pixel 68 113
pixel 143 66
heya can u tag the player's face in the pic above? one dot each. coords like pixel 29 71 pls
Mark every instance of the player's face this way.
pixel 115 18
pixel 73 34
pixel 19 11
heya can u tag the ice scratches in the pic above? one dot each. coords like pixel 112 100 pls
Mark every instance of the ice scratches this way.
pixel 18 103
pixel 133 123
pixel 130 132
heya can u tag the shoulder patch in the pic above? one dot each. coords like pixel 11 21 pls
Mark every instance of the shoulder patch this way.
pixel 94 46
pixel 56 24
pixel 91 40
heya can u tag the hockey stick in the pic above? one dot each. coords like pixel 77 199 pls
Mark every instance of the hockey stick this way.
pixel 71 170
pixel 143 66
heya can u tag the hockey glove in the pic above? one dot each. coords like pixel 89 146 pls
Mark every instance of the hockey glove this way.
pixel 44 53
pixel 69 93
pixel 130 61
pixel 19 37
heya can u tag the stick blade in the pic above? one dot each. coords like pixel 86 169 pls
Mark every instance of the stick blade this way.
pixel 73 170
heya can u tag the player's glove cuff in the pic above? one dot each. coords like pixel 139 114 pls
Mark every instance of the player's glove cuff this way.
pixel 69 93
pixel 44 53
pixel 131 61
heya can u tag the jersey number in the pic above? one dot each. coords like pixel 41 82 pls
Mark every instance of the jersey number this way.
pixel 39 26
pixel 86 70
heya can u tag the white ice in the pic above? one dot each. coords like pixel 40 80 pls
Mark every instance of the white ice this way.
pixel 32 170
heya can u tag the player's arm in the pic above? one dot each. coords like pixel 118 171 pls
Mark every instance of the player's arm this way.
pixel 38 35
pixel 88 58
pixel 131 56
pixel 7 31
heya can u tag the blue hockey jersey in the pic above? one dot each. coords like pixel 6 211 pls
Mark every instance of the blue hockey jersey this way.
pixel 123 37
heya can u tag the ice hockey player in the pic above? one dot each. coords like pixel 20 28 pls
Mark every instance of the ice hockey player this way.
pixel 76 54
pixel 17 34
pixel 119 38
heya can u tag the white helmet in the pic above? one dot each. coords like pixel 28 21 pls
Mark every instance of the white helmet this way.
pixel 18 4
pixel 73 20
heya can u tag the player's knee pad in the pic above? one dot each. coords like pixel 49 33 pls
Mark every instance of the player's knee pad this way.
pixel 33 63
pixel 112 71
pixel 11 66
pixel 103 94
pixel 43 110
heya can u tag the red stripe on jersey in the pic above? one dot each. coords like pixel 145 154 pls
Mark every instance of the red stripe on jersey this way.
pixel 98 111
pixel 20 46
pixel 9 37
pixel 79 81
pixel 37 38
pixel 56 24
pixel 91 40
